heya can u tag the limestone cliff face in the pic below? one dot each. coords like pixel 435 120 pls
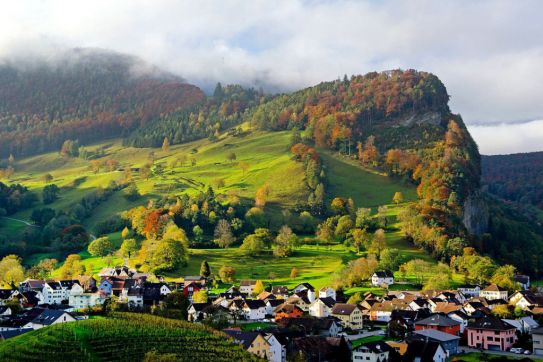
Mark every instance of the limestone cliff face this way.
pixel 476 214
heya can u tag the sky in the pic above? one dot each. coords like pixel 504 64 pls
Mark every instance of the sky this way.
pixel 489 54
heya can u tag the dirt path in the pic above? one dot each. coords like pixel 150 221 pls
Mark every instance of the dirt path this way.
pixel 27 223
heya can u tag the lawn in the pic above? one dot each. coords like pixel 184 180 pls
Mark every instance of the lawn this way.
pixel 358 342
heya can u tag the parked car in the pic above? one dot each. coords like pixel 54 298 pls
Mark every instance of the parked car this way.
pixel 516 350
pixel 527 352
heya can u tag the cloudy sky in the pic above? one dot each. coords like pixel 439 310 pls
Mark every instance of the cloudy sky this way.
pixel 489 54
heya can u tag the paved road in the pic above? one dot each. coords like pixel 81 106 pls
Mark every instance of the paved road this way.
pixel 364 335
pixel 500 353
pixel 19 220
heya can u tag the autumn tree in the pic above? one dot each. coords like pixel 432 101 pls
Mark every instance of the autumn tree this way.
pixel 294 273
pixel 262 195
pixel 231 157
pixel 128 247
pixel 11 271
pixel 223 234
pixel 252 244
pixel 47 178
pixel 398 198
pixel 200 296
pixel 101 247
pixel 244 166
pixel 125 233
pixel 43 269
pixel 259 288
pixel 504 276
pixel 378 242
pixel 227 274
pixel 72 267
pixel 205 270
pixel 166 144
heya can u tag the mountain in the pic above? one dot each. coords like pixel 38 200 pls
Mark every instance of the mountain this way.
pixel 85 95
pixel 328 139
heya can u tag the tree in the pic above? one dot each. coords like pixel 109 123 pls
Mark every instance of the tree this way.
pixel 361 238
pixel 231 157
pixel 131 193
pixel 255 217
pixel 219 182
pixel 198 233
pixel 294 273
pixel 205 270
pixel 125 233
pixel 262 195
pixel 128 247
pixel 504 277
pixel 72 267
pixel 398 198
pixel 227 274
pixel 244 166
pixel 168 255
pixel 344 225
pixel 101 247
pixel 502 311
pixel 47 178
pixel 259 288
pixel 11 271
pixel 417 268
pixel 43 269
pixel 223 234
pixel 199 296
pixel 252 244
pixel 50 194
pixel 378 243
pixel 389 259
pixel 166 144
pixel 175 233
pixel 284 242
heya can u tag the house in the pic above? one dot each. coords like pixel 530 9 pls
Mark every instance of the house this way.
pixel 287 310
pixel 494 292
pixel 191 288
pixel 254 309
pixel 316 348
pixel 537 341
pixel 525 300
pixel 303 286
pixel 447 341
pixel 265 295
pixel 419 303
pixel 280 291
pixel 247 287
pixel 349 315
pixel 327 327
pixel 425 351
pixel 49 317
pixel 53 293
pixel 461 318
pixel 30 299
pixel 383 277
pixel 28 285
pixel 382 312
pixel 322 307
pixel 327 292
pixel 271 304
pixel 301 301
pixel 194 279
pixel 472 306
pixel 82 300
pixel 439 322
pixel 121 272
pixel 6 295
pixel 523 280
pixel 196 311
pixel 277 351
pixel 13 333
pixel 5 311
pixel 470 290
pixel 87 282
pixel 253 342
pixel 446 307
pixel 377 351
pixel 491 333
pixel 523 325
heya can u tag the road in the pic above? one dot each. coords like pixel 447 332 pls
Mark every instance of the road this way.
pixel 352 337
pixel 499 353
pixel 19 220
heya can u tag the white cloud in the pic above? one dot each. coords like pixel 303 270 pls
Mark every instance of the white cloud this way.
pixel 488 53
pixel 508 138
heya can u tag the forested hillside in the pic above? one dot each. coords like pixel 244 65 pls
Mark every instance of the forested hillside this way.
pixel 86 95
pixel 517 178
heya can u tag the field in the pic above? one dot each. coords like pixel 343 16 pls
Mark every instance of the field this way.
pixel 125 337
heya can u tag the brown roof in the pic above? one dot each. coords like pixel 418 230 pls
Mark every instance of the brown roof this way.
pixel 494 288
pixel 446 307
pixel 247 283
pixel 344 309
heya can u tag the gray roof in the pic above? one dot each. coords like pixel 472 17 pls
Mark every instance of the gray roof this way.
pixel 437 320
pixel 437 335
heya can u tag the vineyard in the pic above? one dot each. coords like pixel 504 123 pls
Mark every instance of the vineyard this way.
pixel 124 337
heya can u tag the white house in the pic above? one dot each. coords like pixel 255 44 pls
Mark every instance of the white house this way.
pixel 271 304
pixel 86 300
pixel 493 292
pixel 372 352
pixel 53 293
pixel 7 295
pixel 247 286
pixel 277 352
pixel 321 307
pixel 327 292
pixel 470 290
pixel 254 309
pixel 303 286
pixel 49 317
pixel 383 277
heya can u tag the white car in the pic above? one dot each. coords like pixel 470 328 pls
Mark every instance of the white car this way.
pixel 516 350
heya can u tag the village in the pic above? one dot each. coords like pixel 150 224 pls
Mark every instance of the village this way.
pixel 279 324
